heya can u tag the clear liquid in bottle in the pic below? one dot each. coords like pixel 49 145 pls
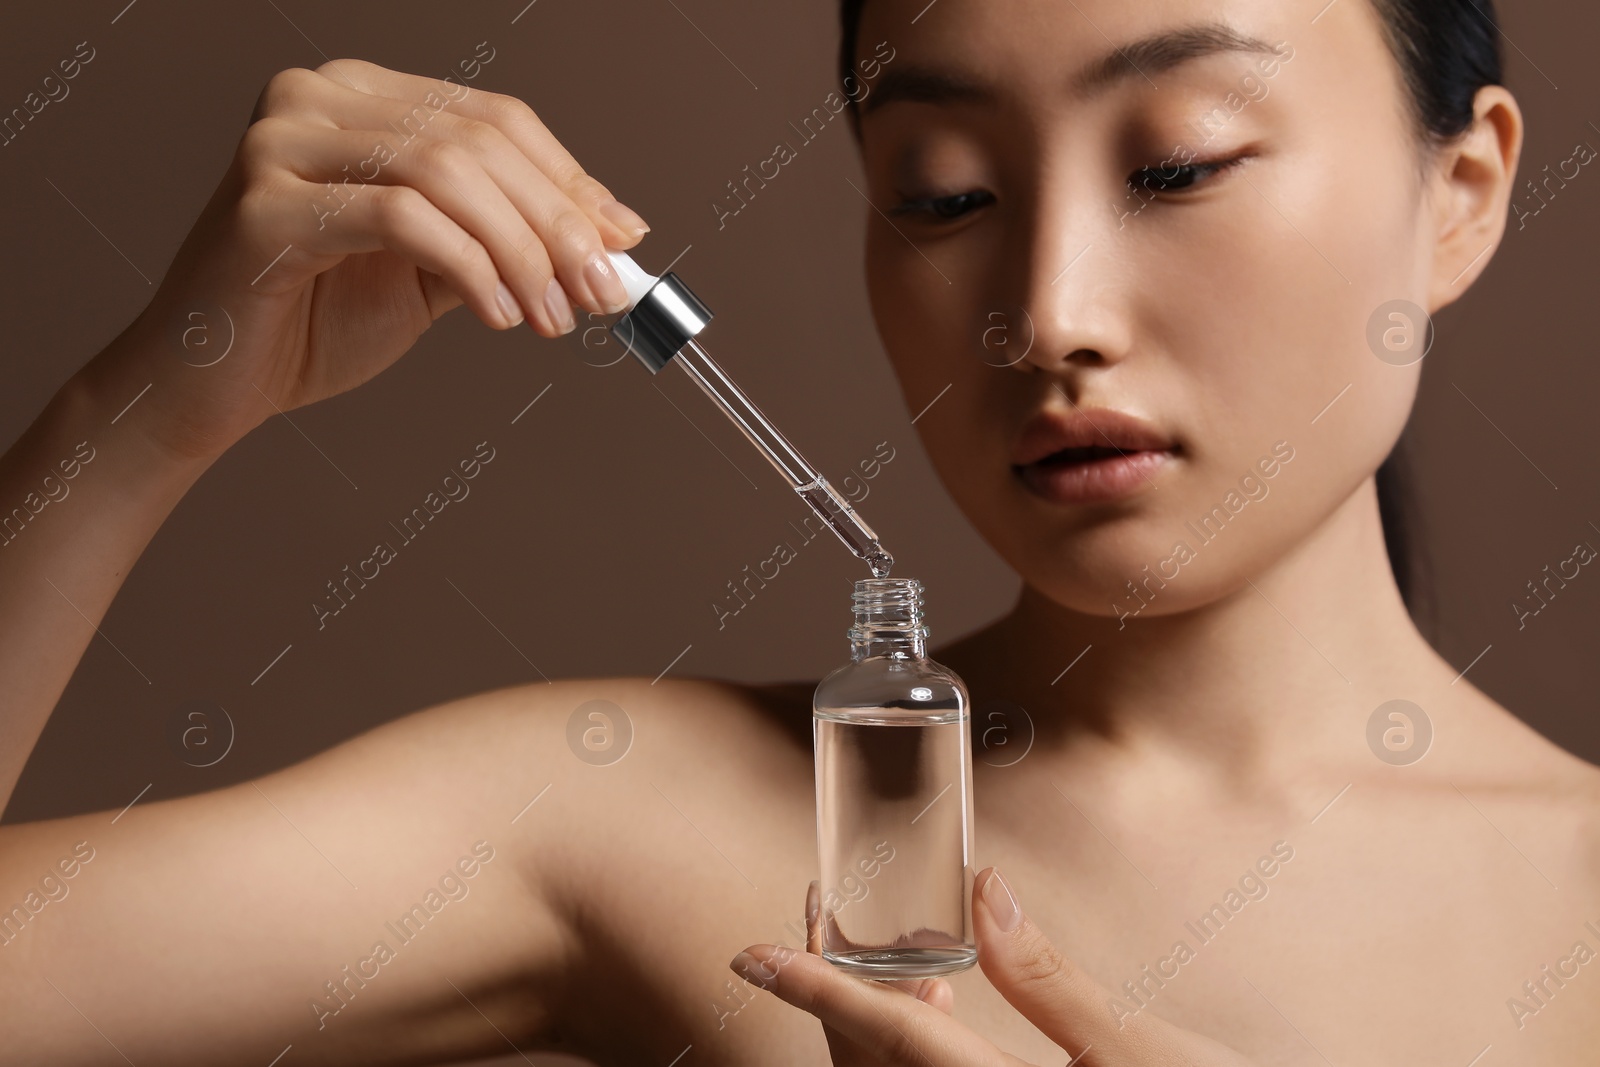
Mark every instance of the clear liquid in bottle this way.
pixel 894 798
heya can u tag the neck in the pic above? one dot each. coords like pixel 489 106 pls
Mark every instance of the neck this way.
pixel 894 645
pixel 1284 669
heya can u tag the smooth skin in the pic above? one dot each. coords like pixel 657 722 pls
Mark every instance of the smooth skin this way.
pixel 1184 747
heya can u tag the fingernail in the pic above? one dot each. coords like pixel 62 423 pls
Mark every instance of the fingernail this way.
pixel 1000 901
pixel 753 969
pixel 627 220
pixel 558 307
pixel 812 905
pixel 604 284
pixel 508 304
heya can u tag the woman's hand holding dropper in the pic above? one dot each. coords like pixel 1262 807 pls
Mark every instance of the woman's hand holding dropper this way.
pixel 361 205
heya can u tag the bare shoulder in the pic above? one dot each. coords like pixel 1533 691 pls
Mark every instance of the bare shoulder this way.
pixel 567 761
pixel 657 824
pixel 602 715
pixel 1530 789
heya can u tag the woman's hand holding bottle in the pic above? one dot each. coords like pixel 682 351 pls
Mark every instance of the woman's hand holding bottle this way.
pixel 870 1023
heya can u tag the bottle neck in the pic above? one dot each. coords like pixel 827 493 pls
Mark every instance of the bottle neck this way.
pixel 888 619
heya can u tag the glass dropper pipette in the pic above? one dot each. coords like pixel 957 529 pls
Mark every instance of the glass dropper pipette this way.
pixel 660 327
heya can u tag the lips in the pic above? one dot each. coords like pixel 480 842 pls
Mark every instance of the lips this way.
pixel 1089 455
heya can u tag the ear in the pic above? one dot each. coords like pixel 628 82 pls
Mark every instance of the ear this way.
pixel 1472 184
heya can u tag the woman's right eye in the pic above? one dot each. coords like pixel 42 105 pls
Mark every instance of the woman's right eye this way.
pixel 944 207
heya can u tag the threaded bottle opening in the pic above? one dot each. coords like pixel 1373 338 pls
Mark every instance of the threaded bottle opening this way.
pixel 888 617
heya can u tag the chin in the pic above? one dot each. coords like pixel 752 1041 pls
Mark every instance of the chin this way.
pixel 1141 557
pixel 1124 593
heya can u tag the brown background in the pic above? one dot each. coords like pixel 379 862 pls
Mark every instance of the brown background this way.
pixel 608 523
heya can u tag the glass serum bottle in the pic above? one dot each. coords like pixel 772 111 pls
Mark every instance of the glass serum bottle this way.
pixel 894 797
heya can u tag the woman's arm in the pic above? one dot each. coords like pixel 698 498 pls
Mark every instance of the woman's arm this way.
pixel 83 492
pixel 387 901
pixel 361 205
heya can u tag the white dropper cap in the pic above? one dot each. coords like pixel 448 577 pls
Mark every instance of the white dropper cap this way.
pixel 635 279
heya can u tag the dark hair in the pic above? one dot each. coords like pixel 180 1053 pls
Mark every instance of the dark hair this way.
pixel 1446 51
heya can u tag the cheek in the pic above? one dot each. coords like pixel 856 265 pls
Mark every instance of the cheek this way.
pixel 1282 358
pixel 1321 244
pixel 1265 305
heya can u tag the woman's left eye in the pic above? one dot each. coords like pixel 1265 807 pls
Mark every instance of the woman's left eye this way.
pixel 944 207
pixel 1168 177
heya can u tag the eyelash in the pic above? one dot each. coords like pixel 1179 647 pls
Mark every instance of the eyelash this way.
pixel 1196 173
pixel 933 205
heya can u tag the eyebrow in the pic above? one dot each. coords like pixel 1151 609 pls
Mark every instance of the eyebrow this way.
pixel 1142 57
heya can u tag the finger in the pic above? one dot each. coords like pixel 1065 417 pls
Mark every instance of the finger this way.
pixel 567 232
pixel 621 226
pixel 290 93
pixel 1051 991
pixel 885 1025
pixel 347 163
pixel 563 207
pixel 813 913
pixel 842 1052
pixel 935 991
pixel 395 218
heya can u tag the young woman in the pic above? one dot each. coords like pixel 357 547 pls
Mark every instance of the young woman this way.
pixel 1191 212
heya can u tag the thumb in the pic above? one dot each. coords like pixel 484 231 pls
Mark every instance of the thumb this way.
pixel 438 294
pixel 1051 991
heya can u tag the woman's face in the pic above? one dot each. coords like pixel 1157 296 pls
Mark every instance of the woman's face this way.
pixel 1227 307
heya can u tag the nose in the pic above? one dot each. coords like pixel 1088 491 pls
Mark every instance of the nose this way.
pixel 1073 284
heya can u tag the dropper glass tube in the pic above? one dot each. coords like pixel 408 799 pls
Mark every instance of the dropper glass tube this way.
pixel 660 327
pixel 812 487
